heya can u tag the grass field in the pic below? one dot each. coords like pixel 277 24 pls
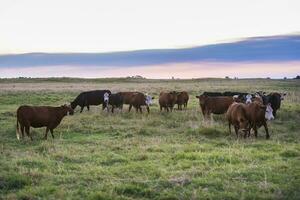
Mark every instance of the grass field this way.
pixel 97 155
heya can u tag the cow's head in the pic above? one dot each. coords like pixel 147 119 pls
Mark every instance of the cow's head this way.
pixel 282 95
pixel 248 98
pixel 106 98
pixel 244 124
pixel 269 112
pixel 174 95
pixel 68 109
pixel 237 98
pixel 73 105
pixel 148 100
pixel 202 99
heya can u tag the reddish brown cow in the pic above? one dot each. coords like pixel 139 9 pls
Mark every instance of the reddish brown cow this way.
pixel 139 99
pixel 127 96
pixel 167 100
pixel 237 116
pixel 258 114
pixel 40 116
pixel 182 99
pixel 215 105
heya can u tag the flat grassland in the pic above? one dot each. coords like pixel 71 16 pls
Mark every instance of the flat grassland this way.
pixel 96 155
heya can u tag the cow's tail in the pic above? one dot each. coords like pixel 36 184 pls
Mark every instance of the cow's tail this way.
pixel 18 131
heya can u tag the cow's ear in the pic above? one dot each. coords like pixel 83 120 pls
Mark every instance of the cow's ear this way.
pixel 284 94
pixel 152 97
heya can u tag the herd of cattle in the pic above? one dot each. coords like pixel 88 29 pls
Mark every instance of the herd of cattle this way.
pixel 243 110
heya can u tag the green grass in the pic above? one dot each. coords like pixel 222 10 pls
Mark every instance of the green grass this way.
pixel 176 155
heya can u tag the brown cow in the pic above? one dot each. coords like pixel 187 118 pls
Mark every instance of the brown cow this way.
pixel 182 99
pixel 258 114
pixel 127 96
pixel 237 116
pixel 215 105
pixel 167 100
pixel 139 99
pixel 40 116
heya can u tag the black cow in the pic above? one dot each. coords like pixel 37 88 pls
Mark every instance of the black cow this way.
pixel 241 96
pixel 115 100
pixel 275 100
pixel 94 97
pixel 212 94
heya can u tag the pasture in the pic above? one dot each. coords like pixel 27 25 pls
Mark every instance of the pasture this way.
pixel 96 155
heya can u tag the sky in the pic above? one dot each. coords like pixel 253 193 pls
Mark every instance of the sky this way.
pixel 121 25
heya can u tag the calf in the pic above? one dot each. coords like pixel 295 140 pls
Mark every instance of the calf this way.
pixel 215 105
pixel 237 116
pixel 167 100
pixel 258 114
pixel 95 97
pixel 40 116
pixel 115 100
pixel 139 99
pixel 182 99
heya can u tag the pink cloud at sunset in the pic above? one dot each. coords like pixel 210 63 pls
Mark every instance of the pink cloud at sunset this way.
pixel 177 70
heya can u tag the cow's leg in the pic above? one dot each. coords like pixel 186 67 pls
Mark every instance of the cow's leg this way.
pixel 130 106
pixel 81 109
pixel 167 108
pixel 51 131
pixel 112 109
pixel 88 107
pixel 245 134
pixel 267 131
pixel 236 129
pixel 27 130
pixel 148 109
pixel 274 112
pixel 207 115
pixel 46 133
pixel 22 131
pixel 137 109
pixel 255 130
pixel 249 131
pixel 140 108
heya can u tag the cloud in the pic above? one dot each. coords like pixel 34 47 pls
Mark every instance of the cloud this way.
pixel 177 70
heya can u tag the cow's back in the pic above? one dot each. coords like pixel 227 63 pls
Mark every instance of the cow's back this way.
pixel 218 105
pixel 36 116
pixel 127 96
pixel 96 97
